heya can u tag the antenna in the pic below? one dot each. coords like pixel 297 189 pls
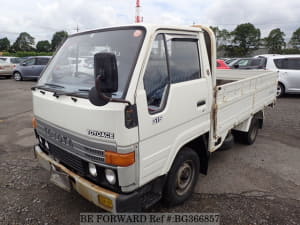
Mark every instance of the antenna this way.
pixel 138 18
pixel 77 28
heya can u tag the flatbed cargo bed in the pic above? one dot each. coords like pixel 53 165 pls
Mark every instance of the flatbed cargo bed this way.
pixel 240 94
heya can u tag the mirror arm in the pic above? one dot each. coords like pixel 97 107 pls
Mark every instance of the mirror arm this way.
pixel 108 99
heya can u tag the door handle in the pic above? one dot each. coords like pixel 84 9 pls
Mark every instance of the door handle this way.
pixel 200 103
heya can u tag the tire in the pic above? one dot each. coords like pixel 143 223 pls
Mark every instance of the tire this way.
pixel 228 143
pixel 182 177
pixel 247 138
pixel 280 90
pixel 18 76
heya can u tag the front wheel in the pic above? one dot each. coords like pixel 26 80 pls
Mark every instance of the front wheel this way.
pixel 182 177
pixel 17 76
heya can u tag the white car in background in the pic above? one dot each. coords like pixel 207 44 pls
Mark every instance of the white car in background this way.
pixel 7 65
pixel 288 68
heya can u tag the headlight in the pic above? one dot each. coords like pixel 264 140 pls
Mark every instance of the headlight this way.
pixel 110 176
pixel 92 169
pixel 46 144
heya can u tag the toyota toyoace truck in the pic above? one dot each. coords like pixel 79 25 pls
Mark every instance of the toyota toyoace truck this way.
pixel 129 115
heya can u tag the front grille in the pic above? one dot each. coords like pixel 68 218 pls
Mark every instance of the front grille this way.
pixel 74 145
pixel 67 159
pixel 78 165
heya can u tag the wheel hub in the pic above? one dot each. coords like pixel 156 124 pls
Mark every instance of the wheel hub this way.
pixel 185 176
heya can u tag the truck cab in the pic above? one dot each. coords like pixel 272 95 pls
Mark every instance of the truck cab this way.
pixel 138 122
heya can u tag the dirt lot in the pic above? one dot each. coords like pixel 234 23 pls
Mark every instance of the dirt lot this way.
pixel 258 184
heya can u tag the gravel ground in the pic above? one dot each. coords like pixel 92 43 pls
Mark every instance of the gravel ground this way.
pixel 266 191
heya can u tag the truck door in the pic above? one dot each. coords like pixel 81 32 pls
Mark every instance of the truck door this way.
pixel 172 101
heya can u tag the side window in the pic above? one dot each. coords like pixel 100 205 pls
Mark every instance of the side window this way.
pixel 254 62
pixel 30 62
pixel 294 63
pixel 156 78
pixel 184 60
pixel 243 62
pixel 288 63
pixel 42 61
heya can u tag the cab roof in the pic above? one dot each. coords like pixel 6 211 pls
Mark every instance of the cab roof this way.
pixel 148 27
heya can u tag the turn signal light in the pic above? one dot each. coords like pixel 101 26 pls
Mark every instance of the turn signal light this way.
pixel 118 159
pixel 34 123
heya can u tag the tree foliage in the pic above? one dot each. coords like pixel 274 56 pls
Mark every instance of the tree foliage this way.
pixel 295 40
pixel 57 38
pixel 24 42
pixel 43 46
pixel 246 37
pixel 4 44
pixel 223 37
pixel 275 41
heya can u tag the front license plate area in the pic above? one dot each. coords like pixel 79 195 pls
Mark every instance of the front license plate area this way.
pixel 60 179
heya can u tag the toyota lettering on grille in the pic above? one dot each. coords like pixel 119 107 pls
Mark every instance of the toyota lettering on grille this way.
pixel 60 138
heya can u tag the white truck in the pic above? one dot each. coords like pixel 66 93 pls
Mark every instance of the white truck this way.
pixel 141 125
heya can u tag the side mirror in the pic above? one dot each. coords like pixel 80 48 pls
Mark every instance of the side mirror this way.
pixel 236 66
pixel 105 66
pixel 24 64
pixel 106 78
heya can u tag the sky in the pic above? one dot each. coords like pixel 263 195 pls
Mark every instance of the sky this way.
pixel 42 18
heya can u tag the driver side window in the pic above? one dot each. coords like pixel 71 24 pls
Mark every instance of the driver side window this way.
pixel 30 62
pixel 156 78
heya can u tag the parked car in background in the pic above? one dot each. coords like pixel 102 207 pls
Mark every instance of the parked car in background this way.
pixel 222 65
pixel 8 64
pixel 31 68
pixel 288 68
pixel 248 63
pixel 229 60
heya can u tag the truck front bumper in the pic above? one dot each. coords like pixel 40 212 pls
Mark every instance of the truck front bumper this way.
pixel 105 199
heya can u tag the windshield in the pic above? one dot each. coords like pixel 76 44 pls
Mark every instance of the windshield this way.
pixel 72 68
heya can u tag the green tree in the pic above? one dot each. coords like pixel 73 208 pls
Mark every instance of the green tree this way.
pixel 4 44
pixel 247 37
pixel 24 42
pixel 43 46
pixel 57 38
pixel 223 37
pixel 275 41
pixel 295 40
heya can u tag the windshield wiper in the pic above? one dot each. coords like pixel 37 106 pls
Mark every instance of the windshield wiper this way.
pixel 59 93
pixel 47 84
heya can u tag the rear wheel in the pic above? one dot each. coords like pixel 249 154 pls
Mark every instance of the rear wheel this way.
pixel 280 90
pixel 249 137
pixel 182 177
pixel 18 76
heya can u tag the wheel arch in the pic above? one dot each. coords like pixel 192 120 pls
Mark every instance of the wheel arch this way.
pixel 200 146
pixel 283 85
pixel 16 71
